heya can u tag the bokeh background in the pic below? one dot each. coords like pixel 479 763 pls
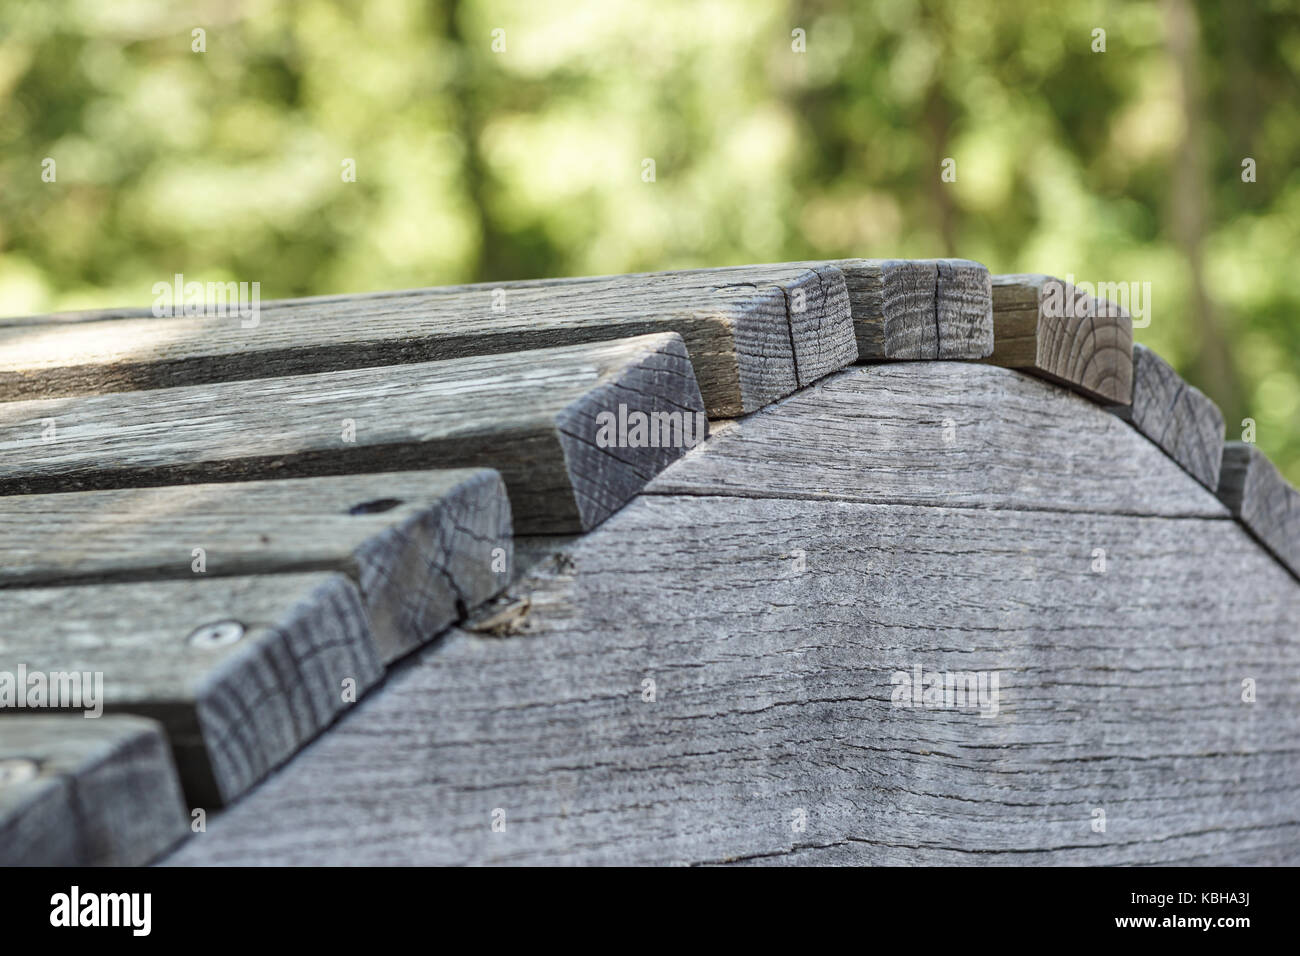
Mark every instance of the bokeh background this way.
pixel 482 164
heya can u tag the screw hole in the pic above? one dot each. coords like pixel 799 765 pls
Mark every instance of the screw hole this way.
pixel 378 506
pixel 216 634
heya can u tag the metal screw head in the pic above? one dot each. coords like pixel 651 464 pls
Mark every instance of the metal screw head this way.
pixel 216 634
pixel 15 770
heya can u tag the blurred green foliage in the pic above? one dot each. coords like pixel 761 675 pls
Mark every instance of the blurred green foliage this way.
pixel 482 164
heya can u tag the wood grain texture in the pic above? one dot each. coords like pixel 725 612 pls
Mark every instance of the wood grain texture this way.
pixel 75 316
pixel 963 297
pixel 1046 326
pixel 920 308
pixel 533 416
pixel 773 693
pixel 1181 419
pixel 754 333
pixel 951 434
pixel 421 544
pixel 78 792
pixel 1265 502
pixel 236 700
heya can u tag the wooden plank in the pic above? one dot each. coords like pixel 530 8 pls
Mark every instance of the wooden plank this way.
pixel 1044 325
pixel 954 434
pixel 754 333
pixel 920 308
pixel 78 792
pixel 773 692
pixel 424 546
pixel 240 671
pixel 75 316
pixel 1181 419
pixel 536 417
pixel 1265 502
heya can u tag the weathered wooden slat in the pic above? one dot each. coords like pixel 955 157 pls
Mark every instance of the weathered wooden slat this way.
pixel 425 546
pixel 951 433
pixel 1265 502
pixel 754 333
pixel 689 677
pixel 75 316
pixel 534 416
pixel 920 308
pixel 1044 325
pixel 240 671
pixel 78 792
pixel 1178 417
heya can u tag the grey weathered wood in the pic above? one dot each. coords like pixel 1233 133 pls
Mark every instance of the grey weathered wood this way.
pixel 963 295
pixel 75 316
pixel 920 308
pixel 425 546
pixel 533 416
pixel 1090 350
pixel 772 693
pixel 236 699
pixel 1265 502
pixel 1181 419
pixel 754 333
pixel 79 792
pixel 771 626
pixel 954 433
